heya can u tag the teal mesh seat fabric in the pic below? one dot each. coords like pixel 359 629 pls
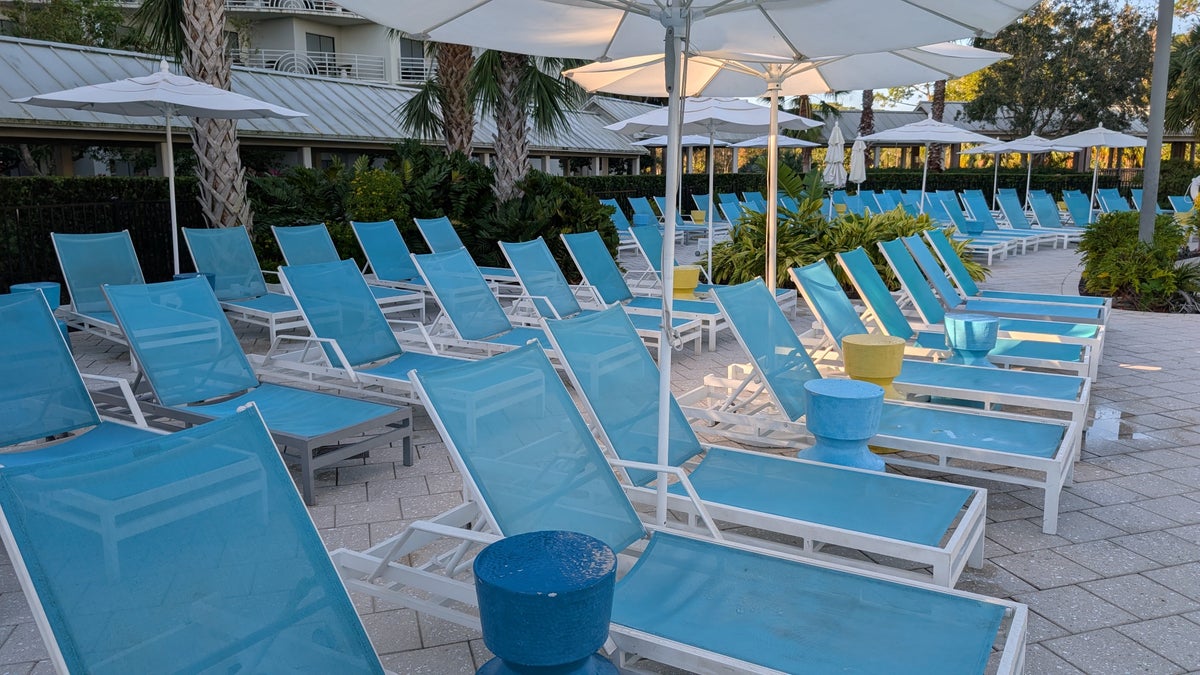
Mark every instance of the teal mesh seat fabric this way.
pixel 91 260
pixel 913 281
pixel 525 448
pixel 228 254
pixel 439 234
pixel 619 381
pixel 596 265
pixel 1046 211
pixel 827 299
pixel 649 239
pixel 771 342
pixel 1080 209
pixel 386 251
pixel 338 305
pixel 1014 213
pixel 874 292
pixel 953 427
pixel 794 617
pixel 465 297
pixel 618 216
pixel 299 412
pixel 999 380
pixel 305 244
pixel 186 552
pixel 543 280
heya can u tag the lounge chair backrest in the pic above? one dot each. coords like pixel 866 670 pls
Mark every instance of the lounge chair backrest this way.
pixel 41 392
pixel 641 207
pixel 838 196
pixel 595 263
pixel 870 202
pixel 1079 208
pixel 825 296
pixel 650 241
pixel 463 294
pixel 1181 203
pixel 539 274
pixel 932 269
pixel 305 244
pixel 439 234
pixel 767 336
pixel 754 197
pixel 1112 199
pixel 1135 195
pixel 338 305
pixel 609 365
pixel 788 203
pixel 91 260
pixel 978 205
pixel 184 343
pixel 873 291
pixel 886 202
pixel 228 255
pixel 386 251
pixel 1046 211
pixel 661 203
pixel 525 449
pixel 853 204
pixel 1010 205
pixel 618 216
pixel 701 201
pixel 913 281
pixel 195 556
pixel 950 206
pixel 949 257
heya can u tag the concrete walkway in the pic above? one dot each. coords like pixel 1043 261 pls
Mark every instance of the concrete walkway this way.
pixel 1117 590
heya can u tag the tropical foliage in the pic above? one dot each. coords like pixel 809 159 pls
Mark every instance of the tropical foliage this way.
pixel 1183 82
pixel 1136 274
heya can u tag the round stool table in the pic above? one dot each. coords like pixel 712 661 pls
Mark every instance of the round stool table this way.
pixel 684 282
pixel 874 358
pixel 545 600
pixel 842 415
pixel 971 337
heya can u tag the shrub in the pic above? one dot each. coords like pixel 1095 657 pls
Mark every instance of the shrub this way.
pixel 376 194
pixel 1137 274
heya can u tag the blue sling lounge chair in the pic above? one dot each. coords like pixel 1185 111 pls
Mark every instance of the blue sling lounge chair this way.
pixel 1076 313
pixel 89 261
pixel 552 297
pixel 389 262
pixel 353 345
pixel 311 244
pixel 197 372
pixel 931 524
pixel 43 395
pixel 440 235
pixel 1081 211
pixel 979 444
pixel 695 604
pixel 624 237
pixel 601 274
pixel 1049 218
pixel 228 254
pixel 185 552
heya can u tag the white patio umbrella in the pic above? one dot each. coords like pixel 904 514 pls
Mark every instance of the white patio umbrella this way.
pixel 858 163
pixel 1034 145
pixel 710 115
pixel 995 150
pixel 1100 137
pixel 166 94
pixel 834 173
pixel 782 141
pixel 600 30
pixel 688 141
pixel 925 132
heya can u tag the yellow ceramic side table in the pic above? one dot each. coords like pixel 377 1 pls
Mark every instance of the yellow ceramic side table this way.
pixel 874 358
pixel 687 277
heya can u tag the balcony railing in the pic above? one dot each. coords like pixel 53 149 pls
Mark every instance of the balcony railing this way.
pixel 416 68
pixel 328 64
pixel 306 6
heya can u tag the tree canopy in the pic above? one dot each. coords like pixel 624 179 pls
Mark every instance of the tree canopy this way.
pixel 1183 82
pixel 94 23
pixel 1075 64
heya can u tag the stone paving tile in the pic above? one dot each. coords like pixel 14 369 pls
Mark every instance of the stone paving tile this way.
pixel 1130 518
pixel 1022 535
pixel 1107 652
pixel 1162 547
pixel 1140 596
pixel 1038 659
pixel 1075 609
pixel 453 659
pixel 1106 558
pixel 1184 579
pixel 1045 569
pixel 1077 527
pixel 1172 637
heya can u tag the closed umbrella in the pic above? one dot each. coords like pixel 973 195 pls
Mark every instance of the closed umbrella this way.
pixel 1100 137
pixel 834 173
pixel 858 163
pixel 166 94
pixel 925 132
pixel 601 30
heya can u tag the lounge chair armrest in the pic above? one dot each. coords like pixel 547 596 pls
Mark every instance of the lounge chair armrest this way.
pixel 679 473
pixel 135 408
pixel 272 272
pixel 421 329
pixel 308 341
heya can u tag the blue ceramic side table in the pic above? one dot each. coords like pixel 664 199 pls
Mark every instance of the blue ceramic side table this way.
pixel 842 415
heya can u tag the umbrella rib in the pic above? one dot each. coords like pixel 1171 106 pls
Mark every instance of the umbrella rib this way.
pixel 943 16
pixel 796 53
pixel 919 62
pixel 467 10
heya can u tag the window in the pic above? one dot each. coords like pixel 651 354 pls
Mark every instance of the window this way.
pixel 321 51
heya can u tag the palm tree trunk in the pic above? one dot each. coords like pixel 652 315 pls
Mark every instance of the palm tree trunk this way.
pixel 458 111
pixel 512 132
pixel 804 109
pixel 866 123
pixel 938 110
pixel 218 162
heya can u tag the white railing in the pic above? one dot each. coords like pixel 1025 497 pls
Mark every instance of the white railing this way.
pixel 306 6
pixel 415 68
pixel 328 64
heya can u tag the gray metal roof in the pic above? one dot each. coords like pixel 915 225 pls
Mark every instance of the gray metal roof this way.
pixel 346 111
pixel 617 109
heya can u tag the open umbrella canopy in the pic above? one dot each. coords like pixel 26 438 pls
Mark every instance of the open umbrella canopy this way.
pixel 706 114
pixel 834 173
pixel 688 141
pixel 162 94
pixel 1099 137
pixel 924 132
pixel 783 141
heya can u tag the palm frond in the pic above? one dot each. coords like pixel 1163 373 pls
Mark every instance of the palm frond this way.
pixel 161 22
pixel 421 115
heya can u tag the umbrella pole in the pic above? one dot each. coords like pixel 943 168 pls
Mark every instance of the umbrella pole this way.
pixel 995 177
pixel 1028 175
pixel 674 26
pixel 1095 176
pixel 169 167
pixel 772 188
pixel 712 201
pixel 924 178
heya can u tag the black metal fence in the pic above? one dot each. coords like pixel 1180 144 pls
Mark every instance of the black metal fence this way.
pixel 27 253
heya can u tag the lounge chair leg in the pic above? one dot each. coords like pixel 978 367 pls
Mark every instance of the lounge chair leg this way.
pixel 1050 506
pixel 976 558
pixel 307 480
pixel 408 458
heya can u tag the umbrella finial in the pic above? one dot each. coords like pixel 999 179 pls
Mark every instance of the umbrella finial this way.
pixel 163 66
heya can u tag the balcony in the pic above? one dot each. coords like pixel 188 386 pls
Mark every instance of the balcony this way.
pixel 312 7
pixel 327 64
pixel 415 69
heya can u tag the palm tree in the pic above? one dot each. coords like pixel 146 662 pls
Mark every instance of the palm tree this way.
pixel 866 121
pixel 937 111
pixel 1183 82
pixel 513 88
pixel 443 105
pixel 194 31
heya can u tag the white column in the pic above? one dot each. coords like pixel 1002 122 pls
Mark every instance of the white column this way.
pixel 691 166
pixel 637 164
pixel 306 157
pixel 595 166
pixel 736 158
